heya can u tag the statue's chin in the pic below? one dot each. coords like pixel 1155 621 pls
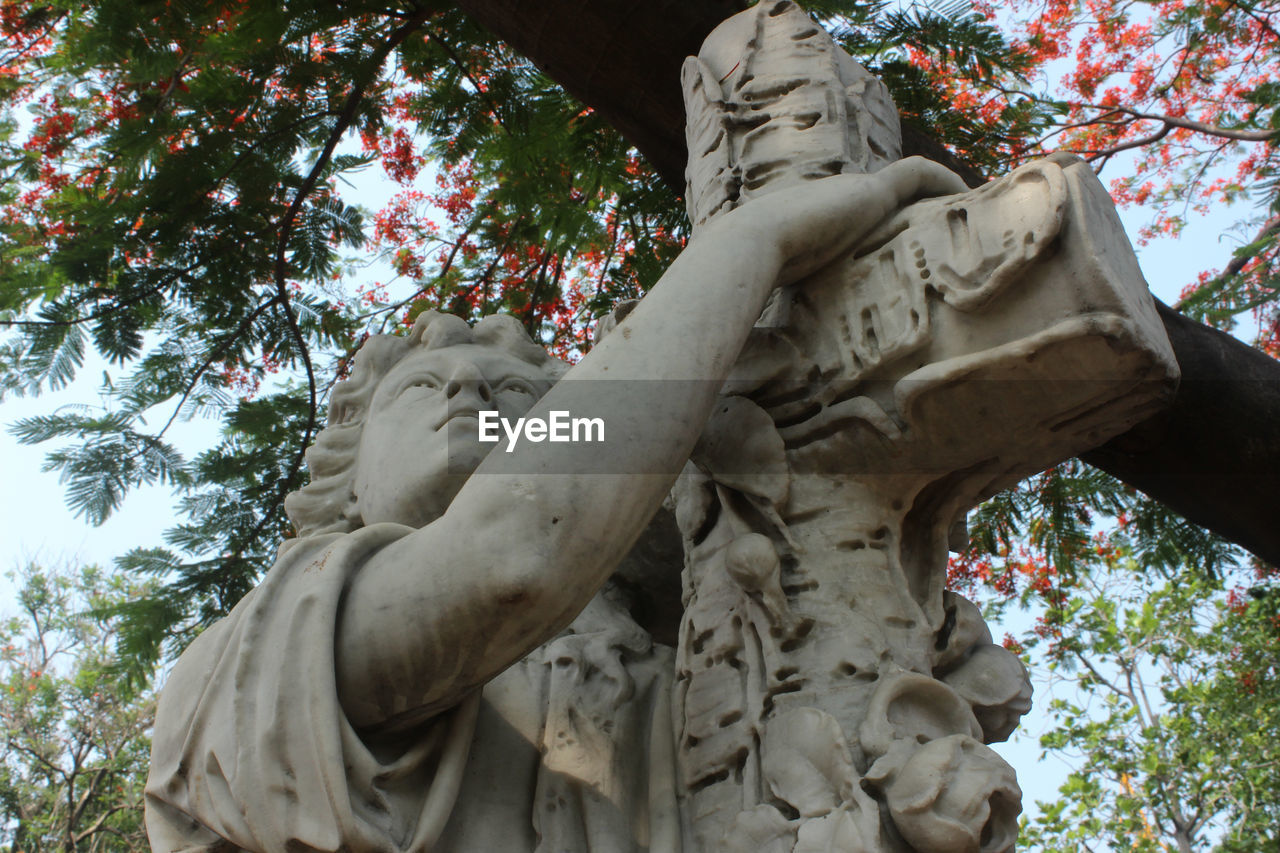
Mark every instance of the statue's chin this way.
pixel 420 490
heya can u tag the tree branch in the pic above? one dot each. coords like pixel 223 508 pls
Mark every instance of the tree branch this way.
pixel 1238 262
pixel 475 84
pixel 1211 456
pixel 110 309
pixel 212 358
pixel 97 825
pixel 345 117
pixel 1094 153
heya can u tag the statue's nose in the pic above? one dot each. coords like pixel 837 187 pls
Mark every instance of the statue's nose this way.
pixel 467 378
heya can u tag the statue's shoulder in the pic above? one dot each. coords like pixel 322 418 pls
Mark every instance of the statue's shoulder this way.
pixel 305 568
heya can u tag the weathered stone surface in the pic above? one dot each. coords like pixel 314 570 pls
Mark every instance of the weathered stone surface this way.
pixel 963 344
pixel 451 656
pixel 771 102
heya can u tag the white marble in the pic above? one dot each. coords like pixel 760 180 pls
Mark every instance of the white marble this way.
pixel 966 342
pixel 465 649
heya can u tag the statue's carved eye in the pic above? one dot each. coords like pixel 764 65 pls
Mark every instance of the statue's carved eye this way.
pixel 420 383
pixel 517 388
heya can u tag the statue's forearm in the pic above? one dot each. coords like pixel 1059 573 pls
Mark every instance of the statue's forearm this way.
pixel 534 532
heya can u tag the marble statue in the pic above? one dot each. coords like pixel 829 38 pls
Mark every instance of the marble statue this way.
pixel 830 693
pixel 852 350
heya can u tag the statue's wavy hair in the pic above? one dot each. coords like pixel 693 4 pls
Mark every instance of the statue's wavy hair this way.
pixel 328 503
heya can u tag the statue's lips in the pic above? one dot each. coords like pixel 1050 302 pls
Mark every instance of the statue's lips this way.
pixel 472 413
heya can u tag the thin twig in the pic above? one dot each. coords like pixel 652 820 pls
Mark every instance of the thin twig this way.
pixel 110 309
pixel 466 72
pixel 345 118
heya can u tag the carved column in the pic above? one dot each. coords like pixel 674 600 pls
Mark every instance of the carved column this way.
pixel 831 695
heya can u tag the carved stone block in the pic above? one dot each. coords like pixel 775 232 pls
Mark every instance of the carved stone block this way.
pixel 969 341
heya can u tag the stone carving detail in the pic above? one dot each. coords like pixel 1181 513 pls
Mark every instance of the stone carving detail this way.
pixel 771 102
pixel 454 654
pixel 830 694
pixel 952 793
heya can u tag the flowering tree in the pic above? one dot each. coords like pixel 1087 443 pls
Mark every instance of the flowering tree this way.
pixel 1190 88
pixel 75 746
pixel 174 198
pixel 1161 685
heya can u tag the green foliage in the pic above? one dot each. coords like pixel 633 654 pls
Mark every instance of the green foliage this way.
pixel 75 745
pixel 550 216
pixel 173 201
pixel 1162 684
pixel 947 67
pixel 172 178
pixel 110 459
pixel 1165 692
pixel 1048 528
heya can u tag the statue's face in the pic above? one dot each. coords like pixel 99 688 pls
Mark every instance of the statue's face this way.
pixel 421 435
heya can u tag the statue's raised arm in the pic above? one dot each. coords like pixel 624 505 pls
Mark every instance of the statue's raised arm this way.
pixel 838 367
pixel 533 534
pixel 335 708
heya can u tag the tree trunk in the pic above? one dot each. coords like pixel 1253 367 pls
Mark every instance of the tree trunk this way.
pixel 1213 456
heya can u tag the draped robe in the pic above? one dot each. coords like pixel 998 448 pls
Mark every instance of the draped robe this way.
pixel 567 751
